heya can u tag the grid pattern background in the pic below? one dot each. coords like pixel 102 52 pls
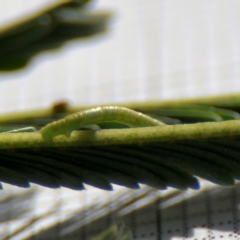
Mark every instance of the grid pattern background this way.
pixel 153 50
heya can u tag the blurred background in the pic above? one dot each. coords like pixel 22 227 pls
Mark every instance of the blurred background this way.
pixel 150 50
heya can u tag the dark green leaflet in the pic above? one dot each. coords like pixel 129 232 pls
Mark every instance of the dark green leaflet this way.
pixel 88 162
pixel 176 179
pixel 96 115
pixel 37 172
pixel 19 38
pixel 84 175
pixel 113 176
pixel 136 172
pixel 212 154
pixel 48 28
pixel 130 170
pixel 198 112
pixel 49 166
pixel 10 176
pixel 192 165
pixel 26 34
pixel 122 156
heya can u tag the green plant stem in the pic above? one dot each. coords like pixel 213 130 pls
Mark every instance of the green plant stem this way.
pixel 232 100
pixel 124 136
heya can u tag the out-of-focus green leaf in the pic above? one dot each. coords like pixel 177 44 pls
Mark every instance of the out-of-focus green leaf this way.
pixel 47 29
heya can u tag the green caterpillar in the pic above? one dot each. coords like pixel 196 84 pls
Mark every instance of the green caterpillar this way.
pixel 96 115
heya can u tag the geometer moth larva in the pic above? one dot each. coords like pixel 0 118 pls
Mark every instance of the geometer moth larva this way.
pixel 96 115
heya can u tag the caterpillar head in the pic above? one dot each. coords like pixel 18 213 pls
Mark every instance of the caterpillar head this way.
pixel 49 132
